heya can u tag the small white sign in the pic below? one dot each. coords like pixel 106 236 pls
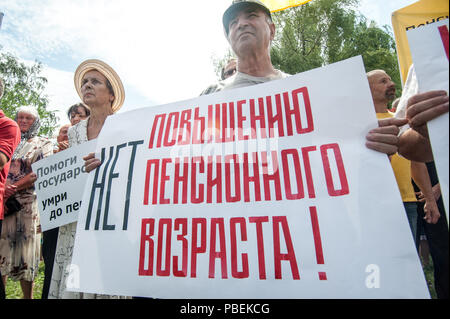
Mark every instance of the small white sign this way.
pixel 60 184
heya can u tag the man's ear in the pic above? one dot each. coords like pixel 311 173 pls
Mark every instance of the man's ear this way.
pixel 272 31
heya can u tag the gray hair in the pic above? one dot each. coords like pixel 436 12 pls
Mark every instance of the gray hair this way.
pixel 34 128
pixel 32 131
pixel 27 109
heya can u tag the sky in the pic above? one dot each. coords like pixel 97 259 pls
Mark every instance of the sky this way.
pixel 163 51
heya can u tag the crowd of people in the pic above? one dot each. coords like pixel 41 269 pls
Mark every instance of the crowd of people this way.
pixel 249 28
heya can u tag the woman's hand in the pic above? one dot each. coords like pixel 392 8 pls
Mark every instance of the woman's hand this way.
pixel 91 162
pixel 31 178
pixel 25 182
pixel 10 190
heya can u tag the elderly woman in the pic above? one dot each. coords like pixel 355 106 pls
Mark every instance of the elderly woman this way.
pixel 101 89
pixel 20 237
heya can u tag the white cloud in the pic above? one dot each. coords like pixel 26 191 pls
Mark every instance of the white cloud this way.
pixel 161 50
pixel 61 92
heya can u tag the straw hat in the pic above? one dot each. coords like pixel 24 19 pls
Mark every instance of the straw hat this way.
pixel 108 72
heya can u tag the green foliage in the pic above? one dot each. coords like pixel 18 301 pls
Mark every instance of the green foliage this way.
pixel 428 270
pixel 24 85
pixel 377 47
pixel 14 291
pixel 327 31
pixel 312 35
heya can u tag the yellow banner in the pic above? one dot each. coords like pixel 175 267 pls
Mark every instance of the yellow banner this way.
pixel 414 16
pixel 278 5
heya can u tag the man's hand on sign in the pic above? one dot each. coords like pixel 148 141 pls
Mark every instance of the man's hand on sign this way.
pixel 424 107
pixel 384 138
pixel 91 162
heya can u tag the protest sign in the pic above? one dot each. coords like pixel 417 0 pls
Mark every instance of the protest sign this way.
pixel 430 51
pixel 61 179
pixel 261 192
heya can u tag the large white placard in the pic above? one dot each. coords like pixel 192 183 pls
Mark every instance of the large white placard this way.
pixel 279 198
pixel 60 185
pixel 430 49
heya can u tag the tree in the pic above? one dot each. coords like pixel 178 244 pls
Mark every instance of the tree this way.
pixel 312 35
pixel 377 47
pixel 24 85
pixel 327 31
pixel 309 36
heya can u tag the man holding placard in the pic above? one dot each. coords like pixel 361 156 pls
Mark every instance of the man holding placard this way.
pixel 249 29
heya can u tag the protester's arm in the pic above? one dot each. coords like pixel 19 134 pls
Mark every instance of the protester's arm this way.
pixel 437 191
pixel 3 161
pixel 24 183
pixel 415 147
pixel 28 180
pixel 414 144
pixel 8 137
pixel 384 138
pixel 9 190
pixel 421 177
